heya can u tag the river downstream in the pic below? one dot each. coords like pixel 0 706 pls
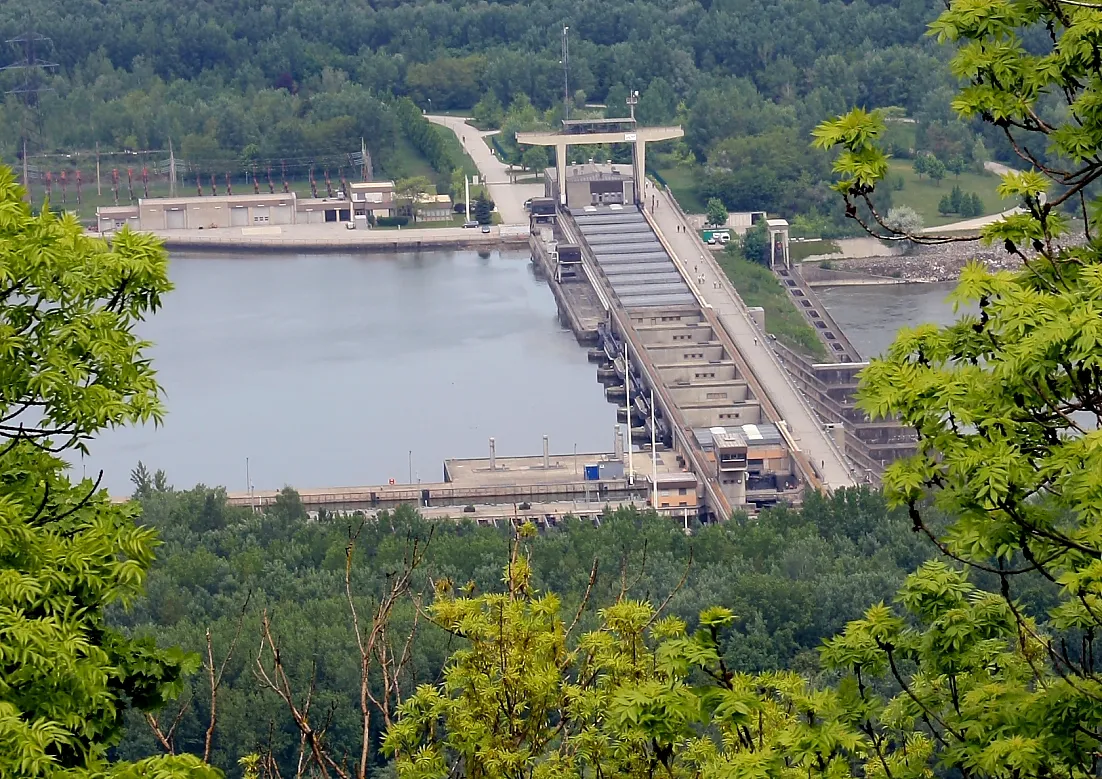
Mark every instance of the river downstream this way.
pixel 331 370
pixel 870 316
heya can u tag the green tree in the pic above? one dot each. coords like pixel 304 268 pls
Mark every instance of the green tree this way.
pixel 71 367
pixel 534 159
pixel 755 244
pixel 956 164
pixel 945 205
pixel 521 698
pixel 409 192
pixel 921 165
pixel 483 210
pixel 1006 400
pixel 966 210
pixel 459 186
pixel 955 199
pixel 488 113
pixel 978 208
pixel 935 169
pixel 717 212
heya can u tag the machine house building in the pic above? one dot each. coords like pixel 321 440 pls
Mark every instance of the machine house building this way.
pixel 251 210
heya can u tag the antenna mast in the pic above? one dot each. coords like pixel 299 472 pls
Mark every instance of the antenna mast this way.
pixel 566 71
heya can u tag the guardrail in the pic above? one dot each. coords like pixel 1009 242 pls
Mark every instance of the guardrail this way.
pixel 741 305
pixel 715 495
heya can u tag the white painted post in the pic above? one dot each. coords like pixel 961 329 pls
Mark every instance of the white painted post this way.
pixel 627 402
pixel 653 452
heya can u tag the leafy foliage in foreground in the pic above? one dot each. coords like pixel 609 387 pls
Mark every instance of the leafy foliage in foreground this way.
pixel 1008 404
pixel 795 578
pixel 70 366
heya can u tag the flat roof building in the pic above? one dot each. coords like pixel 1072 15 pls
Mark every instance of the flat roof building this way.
pixel 248 210
pixel 592 184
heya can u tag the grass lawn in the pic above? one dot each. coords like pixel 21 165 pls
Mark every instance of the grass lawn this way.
pixel 682 183
pixel 458 152
pixel 801 250
pixel 758 287
pixel 405 162
pixel 923 194
pixel 455 221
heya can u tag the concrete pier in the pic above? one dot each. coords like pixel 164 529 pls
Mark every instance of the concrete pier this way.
pixel 551 485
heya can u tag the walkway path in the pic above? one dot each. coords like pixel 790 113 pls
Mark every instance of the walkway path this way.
pixel 971 224
pixel 752 343
pixel 507 196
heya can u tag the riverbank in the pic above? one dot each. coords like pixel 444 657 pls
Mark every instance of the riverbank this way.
pixel 335 237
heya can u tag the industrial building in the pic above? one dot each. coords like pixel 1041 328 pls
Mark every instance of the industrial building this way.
pixel 592 184
pixel 250 210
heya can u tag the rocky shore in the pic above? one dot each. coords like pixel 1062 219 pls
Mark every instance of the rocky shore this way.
pixel 930 263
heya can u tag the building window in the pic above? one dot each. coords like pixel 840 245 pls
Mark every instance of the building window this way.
pixel 682 491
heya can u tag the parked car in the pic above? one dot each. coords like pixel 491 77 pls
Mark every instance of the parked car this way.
pixel 470 224
pixel 485 228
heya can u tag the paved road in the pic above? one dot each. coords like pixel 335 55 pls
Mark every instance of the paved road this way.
pixel 508 197
pixel 804 425
pixel 972 224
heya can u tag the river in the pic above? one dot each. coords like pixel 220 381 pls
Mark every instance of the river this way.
pixel 343 370
pixel 870 316
pixel 332 370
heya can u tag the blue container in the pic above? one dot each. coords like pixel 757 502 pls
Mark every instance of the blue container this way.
pixel 592 472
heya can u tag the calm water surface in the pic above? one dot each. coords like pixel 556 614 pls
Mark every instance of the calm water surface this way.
pixel 871 316
pixel 329 370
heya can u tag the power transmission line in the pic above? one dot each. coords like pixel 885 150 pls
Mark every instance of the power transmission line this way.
pixel 31 66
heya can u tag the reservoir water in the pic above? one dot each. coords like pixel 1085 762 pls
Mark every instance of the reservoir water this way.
pixel 332 370
pixel 345 370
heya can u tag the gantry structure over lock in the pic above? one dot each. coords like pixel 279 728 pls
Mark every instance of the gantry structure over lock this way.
pixel 591 132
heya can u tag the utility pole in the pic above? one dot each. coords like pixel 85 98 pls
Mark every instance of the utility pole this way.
pixel 566 72
pixel 467 195
pixel 171 170
pixel 31 66
pixel 99 189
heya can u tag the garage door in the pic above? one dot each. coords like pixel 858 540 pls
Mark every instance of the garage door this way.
pixel 260 215
pixel 174 219
pixel 239 216
pixel 281 215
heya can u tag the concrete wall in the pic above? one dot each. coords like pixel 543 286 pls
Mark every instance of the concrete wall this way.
pixel 675 333
pixel 193 213
pixel 696 372
pixel 670 354
pixel 687 316
pixel 709 395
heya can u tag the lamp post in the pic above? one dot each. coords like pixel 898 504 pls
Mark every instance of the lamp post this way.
pixel 411 466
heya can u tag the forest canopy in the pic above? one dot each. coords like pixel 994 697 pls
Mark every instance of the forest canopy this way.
pixel 243 84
